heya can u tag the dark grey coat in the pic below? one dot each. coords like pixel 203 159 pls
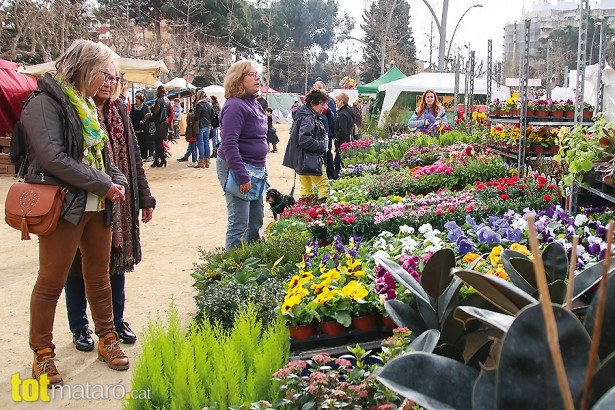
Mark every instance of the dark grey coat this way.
pixel 55 149
pixel 307 142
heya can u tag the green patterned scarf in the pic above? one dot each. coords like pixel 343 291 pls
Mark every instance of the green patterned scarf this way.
pixel 94 137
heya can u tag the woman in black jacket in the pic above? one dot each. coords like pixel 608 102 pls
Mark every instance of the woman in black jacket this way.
pixel 344 129
pixel 305 152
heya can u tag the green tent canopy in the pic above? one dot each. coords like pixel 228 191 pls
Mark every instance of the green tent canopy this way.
pixel 372 88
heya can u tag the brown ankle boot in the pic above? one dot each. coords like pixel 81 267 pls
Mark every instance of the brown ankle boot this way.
pixel 201 164
pixel 207 162
pixel 44 364
pixel 109 351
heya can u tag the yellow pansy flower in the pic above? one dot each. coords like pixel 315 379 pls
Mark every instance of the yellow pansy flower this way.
pixel 494 256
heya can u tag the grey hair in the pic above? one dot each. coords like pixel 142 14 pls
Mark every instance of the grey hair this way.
pixel 81 63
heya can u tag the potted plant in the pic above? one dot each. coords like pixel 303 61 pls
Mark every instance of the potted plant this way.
pixel 568 108
pixel 588 110
pixel 531 108
pixel 495 108
pixel 557 109
pixel 581 147
pixel 541 108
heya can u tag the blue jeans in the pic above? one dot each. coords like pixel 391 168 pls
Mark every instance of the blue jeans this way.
pixel 245 218
pixel 76 302
pixel 202 142
pixel 215 141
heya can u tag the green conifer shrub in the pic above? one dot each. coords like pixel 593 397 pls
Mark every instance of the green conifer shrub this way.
pixel 206 366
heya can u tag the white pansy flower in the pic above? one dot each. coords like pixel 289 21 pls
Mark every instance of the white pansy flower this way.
pixel 580 219
pixel 425 228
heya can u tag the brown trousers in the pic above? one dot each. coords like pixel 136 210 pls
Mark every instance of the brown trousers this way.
pixel 56 254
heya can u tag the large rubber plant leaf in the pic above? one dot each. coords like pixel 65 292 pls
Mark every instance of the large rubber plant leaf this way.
pixel 426 342
pixel 607 336
pixel 431 381
pixel 557 290
pixel 403 277
pixel 405 316
pixel 436 275
pixel 526 376
pixel 603 380
pixel 588 277
pixel 451 351
pixel 449 299
pixel 555 261
pixel 606 402
pixel 452 331
pixel 496 320
pixel 483 394
pixel 523 280
pixel 502 294
pixel 428 313
pixel 480 356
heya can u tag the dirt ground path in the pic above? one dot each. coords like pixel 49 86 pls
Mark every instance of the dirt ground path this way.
pixel 190 214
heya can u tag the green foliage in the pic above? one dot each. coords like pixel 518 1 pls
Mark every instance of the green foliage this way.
pixel 207 365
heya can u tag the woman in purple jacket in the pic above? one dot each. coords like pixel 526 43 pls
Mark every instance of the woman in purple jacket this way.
pixel 242 154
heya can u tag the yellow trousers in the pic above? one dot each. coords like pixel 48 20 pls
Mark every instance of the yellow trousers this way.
pixel 308 181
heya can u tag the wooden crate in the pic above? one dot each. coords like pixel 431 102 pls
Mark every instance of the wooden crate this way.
pixel 8 169
pixel 5 158
pixel 5 141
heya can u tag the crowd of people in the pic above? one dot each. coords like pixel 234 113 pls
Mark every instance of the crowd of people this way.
pixel 83 135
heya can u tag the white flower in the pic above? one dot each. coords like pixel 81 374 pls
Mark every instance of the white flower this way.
pixel 425 228
pixel 385 234
pixel 519 223
pixel 580 219
pixel 406 229
pixel 380 243
pixel 381 254
pixel 433 249
pixel 408 245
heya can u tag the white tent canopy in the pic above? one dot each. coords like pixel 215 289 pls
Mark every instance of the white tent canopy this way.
pixel 134 70
pixel 216 90
pixel 441 83
pixel 178 83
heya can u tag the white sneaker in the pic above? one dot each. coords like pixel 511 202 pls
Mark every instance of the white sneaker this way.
pixel 192 164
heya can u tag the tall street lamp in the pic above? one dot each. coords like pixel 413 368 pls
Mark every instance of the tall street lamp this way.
pixel 441 24
pixel 457 25
pixel 378 55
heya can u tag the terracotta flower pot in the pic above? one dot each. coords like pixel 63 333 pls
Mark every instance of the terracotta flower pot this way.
pixel 388 322
pixel 542 113
pixel 331 328
pixel 554 149
pixel 569 114
pixel 587 114
pixel 530 113
pixel 538 148
pixel 302 332
pixel 557 114
pixel 364 322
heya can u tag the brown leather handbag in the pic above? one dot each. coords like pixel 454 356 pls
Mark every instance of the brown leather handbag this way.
pixel 33 208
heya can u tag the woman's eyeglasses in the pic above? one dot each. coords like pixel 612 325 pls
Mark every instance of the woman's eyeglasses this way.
pixel 253 74
pixel 110 78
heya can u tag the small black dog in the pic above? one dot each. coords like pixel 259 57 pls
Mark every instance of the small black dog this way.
pixel 278 201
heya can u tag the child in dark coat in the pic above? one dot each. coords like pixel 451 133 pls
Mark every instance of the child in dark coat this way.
pixel 272 136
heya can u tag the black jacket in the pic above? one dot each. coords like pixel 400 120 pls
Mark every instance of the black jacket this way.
pixel 344 127
pixel 306 145
pixel 202 111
